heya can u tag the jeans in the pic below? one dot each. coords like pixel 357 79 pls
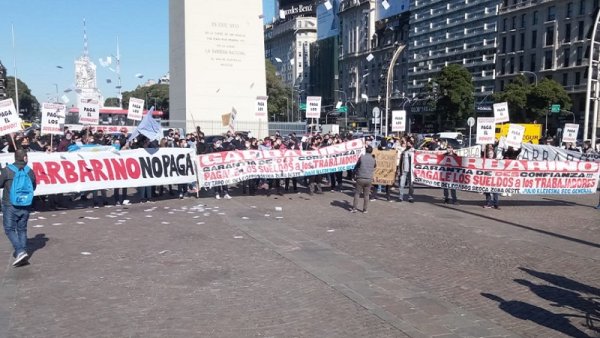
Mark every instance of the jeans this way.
pixel 363 185
pixel 145 193
pixel 491 199
pixel 221 190
pixel 452 193
pixel 15 226
pixel 120 194
pixel 405 178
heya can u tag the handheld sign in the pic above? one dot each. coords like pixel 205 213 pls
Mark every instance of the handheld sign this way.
pixel 9 119
pixel 313 107
pixel 501 112
pixel 89 111
pixel 261 106
pixel 515 136
pixel 53 118
pixel 136 109
pixel 398 120
pixel 570 133
pixel 486 130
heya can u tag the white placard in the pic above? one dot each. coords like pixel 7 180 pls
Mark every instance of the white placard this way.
pixel 486 130
pixel 398 120
pixel 501 112
pixel 53 118
pixel 136 109
pixel 89 111
pixel 313 107
pixel 570 133
pixel 261 106
pixel 9 119
pixel 515 136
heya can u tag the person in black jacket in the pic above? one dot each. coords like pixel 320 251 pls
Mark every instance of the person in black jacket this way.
pixel 16 217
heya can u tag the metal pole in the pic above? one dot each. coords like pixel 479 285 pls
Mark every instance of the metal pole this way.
pixel 588 96
pixel 12 27
pixel 390 77
pixel 470 136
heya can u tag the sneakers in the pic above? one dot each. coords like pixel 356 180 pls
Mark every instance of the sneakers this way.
pixel 487 206
pixel 411 200
pixel 496 207
pixel 217 196
pixel 21 259
pixel 353 210
pixel 180 196
pixel 365 212
pixel 227 197
pixel 446 201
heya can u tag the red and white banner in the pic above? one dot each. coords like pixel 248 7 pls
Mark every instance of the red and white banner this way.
pixel 506 176
pixel 111 129
pixel 234 166
pixel 74 172
pixel 9 119
pixel 53 118
pixel 89 111
pixel 136 109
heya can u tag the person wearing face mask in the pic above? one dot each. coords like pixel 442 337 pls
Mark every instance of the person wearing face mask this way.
pixel 222 189
pixel 405 172
pixel 450 192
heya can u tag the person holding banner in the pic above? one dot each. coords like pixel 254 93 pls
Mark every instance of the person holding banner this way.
pixel 364 170
pixel 491 198
pixel 451 192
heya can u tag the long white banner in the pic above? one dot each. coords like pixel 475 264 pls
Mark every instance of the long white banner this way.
pixel 536 152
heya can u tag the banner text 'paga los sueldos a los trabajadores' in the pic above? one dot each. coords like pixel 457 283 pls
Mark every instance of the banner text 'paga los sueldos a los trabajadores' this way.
pixel 506 176
pixel 234 166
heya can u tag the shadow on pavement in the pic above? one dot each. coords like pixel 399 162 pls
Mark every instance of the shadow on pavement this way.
pixel 538 315
pixel 341 204
pixel 36 243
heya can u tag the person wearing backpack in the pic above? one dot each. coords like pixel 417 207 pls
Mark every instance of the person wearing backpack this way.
pixel 18 181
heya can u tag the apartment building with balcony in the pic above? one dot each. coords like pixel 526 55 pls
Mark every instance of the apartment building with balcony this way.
pixel 547 39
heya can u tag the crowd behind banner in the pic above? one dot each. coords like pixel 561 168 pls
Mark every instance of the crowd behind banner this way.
pixel 91 161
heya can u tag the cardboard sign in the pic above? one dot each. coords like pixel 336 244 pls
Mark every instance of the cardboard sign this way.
pixel 9 119
pixel 261 106
pixel 313 107
pixel 570 133
pixel 515 136
pixel 501 112
pixel 385 172
pixel 53 118
pixel 136 109
pixel 398 120
pixel 89 111
pixel 486 130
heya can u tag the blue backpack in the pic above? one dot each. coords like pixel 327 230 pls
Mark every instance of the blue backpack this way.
pixel 21 190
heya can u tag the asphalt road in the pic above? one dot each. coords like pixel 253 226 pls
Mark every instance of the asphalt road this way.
pixel 304 266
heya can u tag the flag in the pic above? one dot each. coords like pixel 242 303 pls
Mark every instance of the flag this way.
pixel 147 127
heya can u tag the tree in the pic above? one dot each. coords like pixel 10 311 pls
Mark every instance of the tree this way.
pixel 111 102
pixel 516 94
pixel 454 94
pixel 156 95
pixel 28 104
pixel 545 94
pixel 279 94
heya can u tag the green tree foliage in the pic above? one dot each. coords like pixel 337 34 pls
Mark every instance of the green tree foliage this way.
pixel 28 104
pixel 111 102
pixel 279 94
pixel 156 95
pixel 516 94
pixel 454 92
pixel 546 93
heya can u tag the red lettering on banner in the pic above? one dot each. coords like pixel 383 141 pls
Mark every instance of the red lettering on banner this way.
pixel 119 168
pixel 84 172
pixel 53 172
pixel 425 158
pixel 517 165
pixel 133 168
pixel 69 169
pixel 97 170
pixel 449 161
pixel 109 169
pixel 40 173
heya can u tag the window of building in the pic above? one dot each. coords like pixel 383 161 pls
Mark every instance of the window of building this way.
pixel 582 7
pixel 502 66
pixel 577 78
pixel 565 79
pixel 579 56
pixel 523 16
pixel 580 31
pixel 534 39
pixel 513 43
pixel 501 85
pixel 521 63
pixel 569 9
pixel 549 36
pixel 535 17
pixel 551 13
pixel 522 42
pixel 512 65
pixel 504 24
pixel 548 59
pixel 567 33
pixel 566 60
pixel 532 63
pixel 513 24
pixel 504 44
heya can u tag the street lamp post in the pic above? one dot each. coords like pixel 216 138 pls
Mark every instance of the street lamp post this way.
pixel 532 73
pixel 56 86
pixel 346 103
pixel 389 79
pixel 588 96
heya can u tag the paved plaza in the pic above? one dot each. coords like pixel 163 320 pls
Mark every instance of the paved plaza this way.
pixel 304 266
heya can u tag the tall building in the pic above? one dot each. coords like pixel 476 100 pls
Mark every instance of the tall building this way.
pixel 547 39
pixel 446 32
pixel 3 82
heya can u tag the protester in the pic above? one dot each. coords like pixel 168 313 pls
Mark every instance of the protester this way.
pixel 16 203
pixel 405 173
pixel 364 171
pixel 451 192
pixel 491 198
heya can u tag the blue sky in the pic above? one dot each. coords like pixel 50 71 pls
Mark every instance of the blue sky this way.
pixel 49 33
